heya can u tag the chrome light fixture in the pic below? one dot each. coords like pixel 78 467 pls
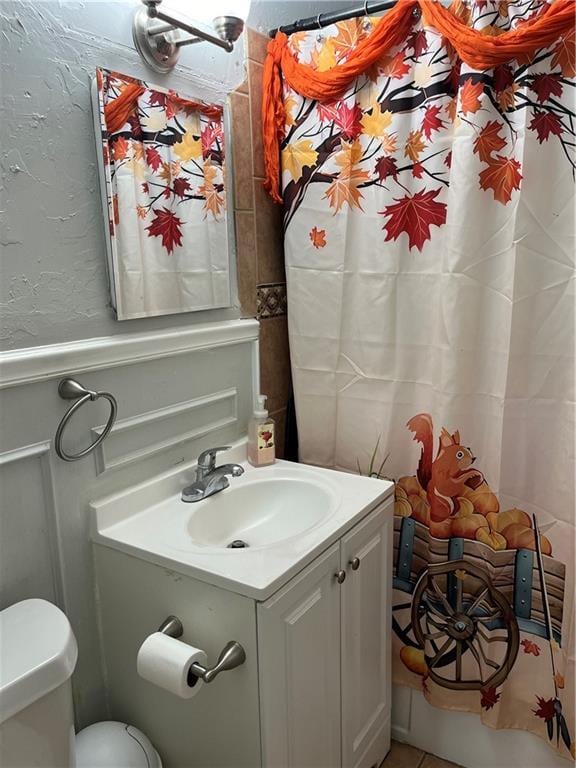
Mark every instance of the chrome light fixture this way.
pixel 158 35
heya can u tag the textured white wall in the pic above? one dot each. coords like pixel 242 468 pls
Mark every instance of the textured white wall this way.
pixel 53 279
pixel 53 284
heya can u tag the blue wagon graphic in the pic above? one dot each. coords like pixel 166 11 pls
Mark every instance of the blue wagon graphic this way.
pixel 469 603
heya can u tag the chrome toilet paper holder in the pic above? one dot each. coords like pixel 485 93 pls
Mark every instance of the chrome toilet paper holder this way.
pixel 231 656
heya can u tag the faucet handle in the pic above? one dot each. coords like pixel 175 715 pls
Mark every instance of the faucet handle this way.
pixel 207 459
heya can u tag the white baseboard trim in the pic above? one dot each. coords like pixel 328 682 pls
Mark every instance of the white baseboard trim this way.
pixel 33 364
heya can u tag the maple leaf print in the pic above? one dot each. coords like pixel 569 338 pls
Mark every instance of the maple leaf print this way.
pixel 489 697
pixel 318 237
pixel 297 156
pixel 530 647
pixel 156 99
pixel 349 35
pixel 418 42
pixel 545 123
pixel 167 226
pixel 289 103
pixel 350 155
pixel 503 77
pixel 502 176
pixel 180 187
pixel 452 109
pixel 470 96
pixel 165 173
pixel 417 170
pixel 394 66
pixel 120 147
pixel 431 121
pixel 565 54
pixel 545 85
pixel 213 200
pixel 386 166
pixel 414 146
pixel 135 127
pixel 344 189
pixel 506 99
pixel 138 148
pixel 171 106
pixel 414 215
pixel 348 120
pixel 141 211
pixel 559 680
pixel 324 58
pixel 189 148
pixel 153 158
pixel 327 112
pixel 375 124
pixel 489 141
pixel 545 708
pixel 210 136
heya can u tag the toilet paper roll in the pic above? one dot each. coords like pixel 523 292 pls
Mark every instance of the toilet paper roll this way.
pixel 165 661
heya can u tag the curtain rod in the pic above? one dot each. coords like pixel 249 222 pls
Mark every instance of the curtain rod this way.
pixel 331 17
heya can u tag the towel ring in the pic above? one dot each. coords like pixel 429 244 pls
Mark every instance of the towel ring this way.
pixel 70 389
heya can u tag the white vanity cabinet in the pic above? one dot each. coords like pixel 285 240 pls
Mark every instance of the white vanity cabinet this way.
pixel 313 615
pixel 324 656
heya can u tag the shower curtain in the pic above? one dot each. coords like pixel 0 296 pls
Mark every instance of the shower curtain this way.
pixel 163 171
pixel 429 225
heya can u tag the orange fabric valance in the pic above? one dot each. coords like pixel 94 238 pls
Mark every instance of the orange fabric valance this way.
pixel 117 112
pixel 478 50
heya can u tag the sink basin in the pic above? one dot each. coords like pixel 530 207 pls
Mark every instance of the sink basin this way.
pixel 286 514
pixel 259 513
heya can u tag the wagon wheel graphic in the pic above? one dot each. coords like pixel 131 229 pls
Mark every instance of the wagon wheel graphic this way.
pixel 453 627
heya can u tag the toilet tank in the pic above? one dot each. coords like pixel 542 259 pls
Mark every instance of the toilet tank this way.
pixel 38 654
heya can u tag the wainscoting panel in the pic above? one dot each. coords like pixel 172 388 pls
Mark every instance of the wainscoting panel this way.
pixel 195 390
pixel 29 552
pixel 142 436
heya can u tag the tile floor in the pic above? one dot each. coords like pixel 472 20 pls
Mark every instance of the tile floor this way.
pixel 404 756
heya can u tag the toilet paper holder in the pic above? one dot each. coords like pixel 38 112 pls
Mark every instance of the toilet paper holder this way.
pixel 231 656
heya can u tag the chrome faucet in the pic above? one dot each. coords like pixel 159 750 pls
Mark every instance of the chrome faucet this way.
pixel 210 479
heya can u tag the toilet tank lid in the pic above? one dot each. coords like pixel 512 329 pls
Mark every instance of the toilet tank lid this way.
pixel 38 653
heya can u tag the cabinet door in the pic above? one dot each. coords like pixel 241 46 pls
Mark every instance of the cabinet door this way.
pixel 299 665
pixel 366 641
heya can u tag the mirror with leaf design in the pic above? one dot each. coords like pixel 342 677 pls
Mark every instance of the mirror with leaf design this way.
pixel 163 181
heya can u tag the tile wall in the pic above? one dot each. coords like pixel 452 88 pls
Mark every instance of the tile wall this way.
pixel 259 237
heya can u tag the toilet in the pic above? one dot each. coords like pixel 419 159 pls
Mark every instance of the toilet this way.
pixel 38 654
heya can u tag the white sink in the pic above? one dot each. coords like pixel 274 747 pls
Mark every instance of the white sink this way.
pixel 259 513
pixel 286 513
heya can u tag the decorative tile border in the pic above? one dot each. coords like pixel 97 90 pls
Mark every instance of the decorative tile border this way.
pixel 271 300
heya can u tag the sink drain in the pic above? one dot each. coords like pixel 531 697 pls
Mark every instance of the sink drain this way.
pixel 237 544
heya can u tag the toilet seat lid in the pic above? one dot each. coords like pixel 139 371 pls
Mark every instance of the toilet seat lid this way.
pixel 38 653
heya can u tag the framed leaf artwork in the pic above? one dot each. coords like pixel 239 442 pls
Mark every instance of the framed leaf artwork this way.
pixel 163 181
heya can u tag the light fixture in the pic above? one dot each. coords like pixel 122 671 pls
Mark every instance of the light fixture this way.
pixel 158 34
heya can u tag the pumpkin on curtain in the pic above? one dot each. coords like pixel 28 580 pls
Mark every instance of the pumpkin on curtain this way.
pixel 163 163
pixel 429 225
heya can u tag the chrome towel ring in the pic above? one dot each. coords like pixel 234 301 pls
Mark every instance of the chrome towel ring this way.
pixel 70 389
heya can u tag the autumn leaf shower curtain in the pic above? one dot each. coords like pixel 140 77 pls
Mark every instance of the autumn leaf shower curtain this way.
pixel 429 224
pixel 163 173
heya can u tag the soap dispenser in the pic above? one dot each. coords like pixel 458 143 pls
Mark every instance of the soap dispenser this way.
pixel 261 445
